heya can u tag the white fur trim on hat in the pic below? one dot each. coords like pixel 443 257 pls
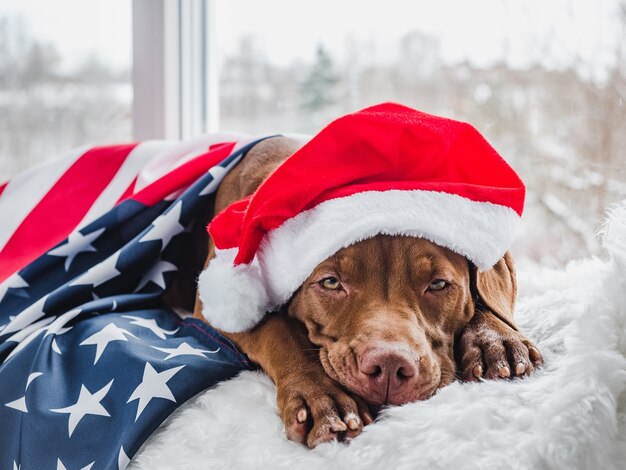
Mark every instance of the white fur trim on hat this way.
pixel 480 231
pixel 234 298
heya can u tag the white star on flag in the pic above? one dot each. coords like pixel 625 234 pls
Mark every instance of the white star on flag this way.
pixel 27 335
pixel 184 349
pixel 102 338
pixel 14 282
pixel 57 327
pixel 60 465
pixel 100 273
pixel 122 459
pixel 20 403
pixel 113 305
pixel 155 274
pixel 76 243
pixel 55 347
pixel 26 317
pixel 32 377
pixel 51 325
pixel 153 385
pixel 36 327
pixel 151 325
pixel 218 173
pixel 87 404
pixel 166 226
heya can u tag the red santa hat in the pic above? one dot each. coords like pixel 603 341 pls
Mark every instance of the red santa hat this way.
pixel 387 169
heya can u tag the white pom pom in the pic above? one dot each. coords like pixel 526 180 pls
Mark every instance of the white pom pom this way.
pixel 234 298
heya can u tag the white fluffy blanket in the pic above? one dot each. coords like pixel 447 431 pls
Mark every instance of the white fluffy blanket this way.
pixel 570 414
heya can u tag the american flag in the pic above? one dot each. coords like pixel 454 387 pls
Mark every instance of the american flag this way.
pixel 91 358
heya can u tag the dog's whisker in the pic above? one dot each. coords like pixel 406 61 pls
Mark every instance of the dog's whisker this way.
pixel 450 373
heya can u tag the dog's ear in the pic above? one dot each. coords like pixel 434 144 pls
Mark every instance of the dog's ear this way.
pixel 496 288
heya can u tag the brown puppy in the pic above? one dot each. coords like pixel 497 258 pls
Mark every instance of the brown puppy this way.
pixel 388 320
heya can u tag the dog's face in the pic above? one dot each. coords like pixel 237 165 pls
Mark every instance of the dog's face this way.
pixel 384 313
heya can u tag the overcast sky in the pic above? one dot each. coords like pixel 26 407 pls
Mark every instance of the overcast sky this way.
pixel 554 32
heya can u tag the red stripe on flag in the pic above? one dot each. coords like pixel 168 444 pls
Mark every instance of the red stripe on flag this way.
pixel 184 175
pixel 230 146
pixel 63 207
pixel 2 186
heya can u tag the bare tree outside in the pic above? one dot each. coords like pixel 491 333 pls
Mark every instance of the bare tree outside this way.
pixel 45 110
pixel 563 128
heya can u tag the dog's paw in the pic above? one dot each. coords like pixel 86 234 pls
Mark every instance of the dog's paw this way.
pixel 315 409
pixel 491 349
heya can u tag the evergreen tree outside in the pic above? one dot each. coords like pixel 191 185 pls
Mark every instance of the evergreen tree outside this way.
pixel 317 89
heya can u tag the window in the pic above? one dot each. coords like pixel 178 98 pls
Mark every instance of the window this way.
pixel 544 82
pixel 174 72
pixel 64 78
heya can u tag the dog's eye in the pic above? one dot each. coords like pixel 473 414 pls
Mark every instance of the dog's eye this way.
pixel 331 283
pixel 437 284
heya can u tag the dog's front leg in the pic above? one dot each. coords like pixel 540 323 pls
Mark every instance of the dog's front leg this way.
pixel 313 407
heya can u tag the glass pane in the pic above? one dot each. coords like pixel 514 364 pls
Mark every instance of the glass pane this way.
pixel 64 78
pixel 545 82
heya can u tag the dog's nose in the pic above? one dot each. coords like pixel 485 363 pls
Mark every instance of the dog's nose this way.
pixel 388 374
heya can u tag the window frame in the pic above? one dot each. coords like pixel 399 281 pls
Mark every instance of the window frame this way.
pixel 175 76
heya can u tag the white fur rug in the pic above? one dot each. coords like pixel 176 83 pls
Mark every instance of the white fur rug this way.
pixel 570 414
